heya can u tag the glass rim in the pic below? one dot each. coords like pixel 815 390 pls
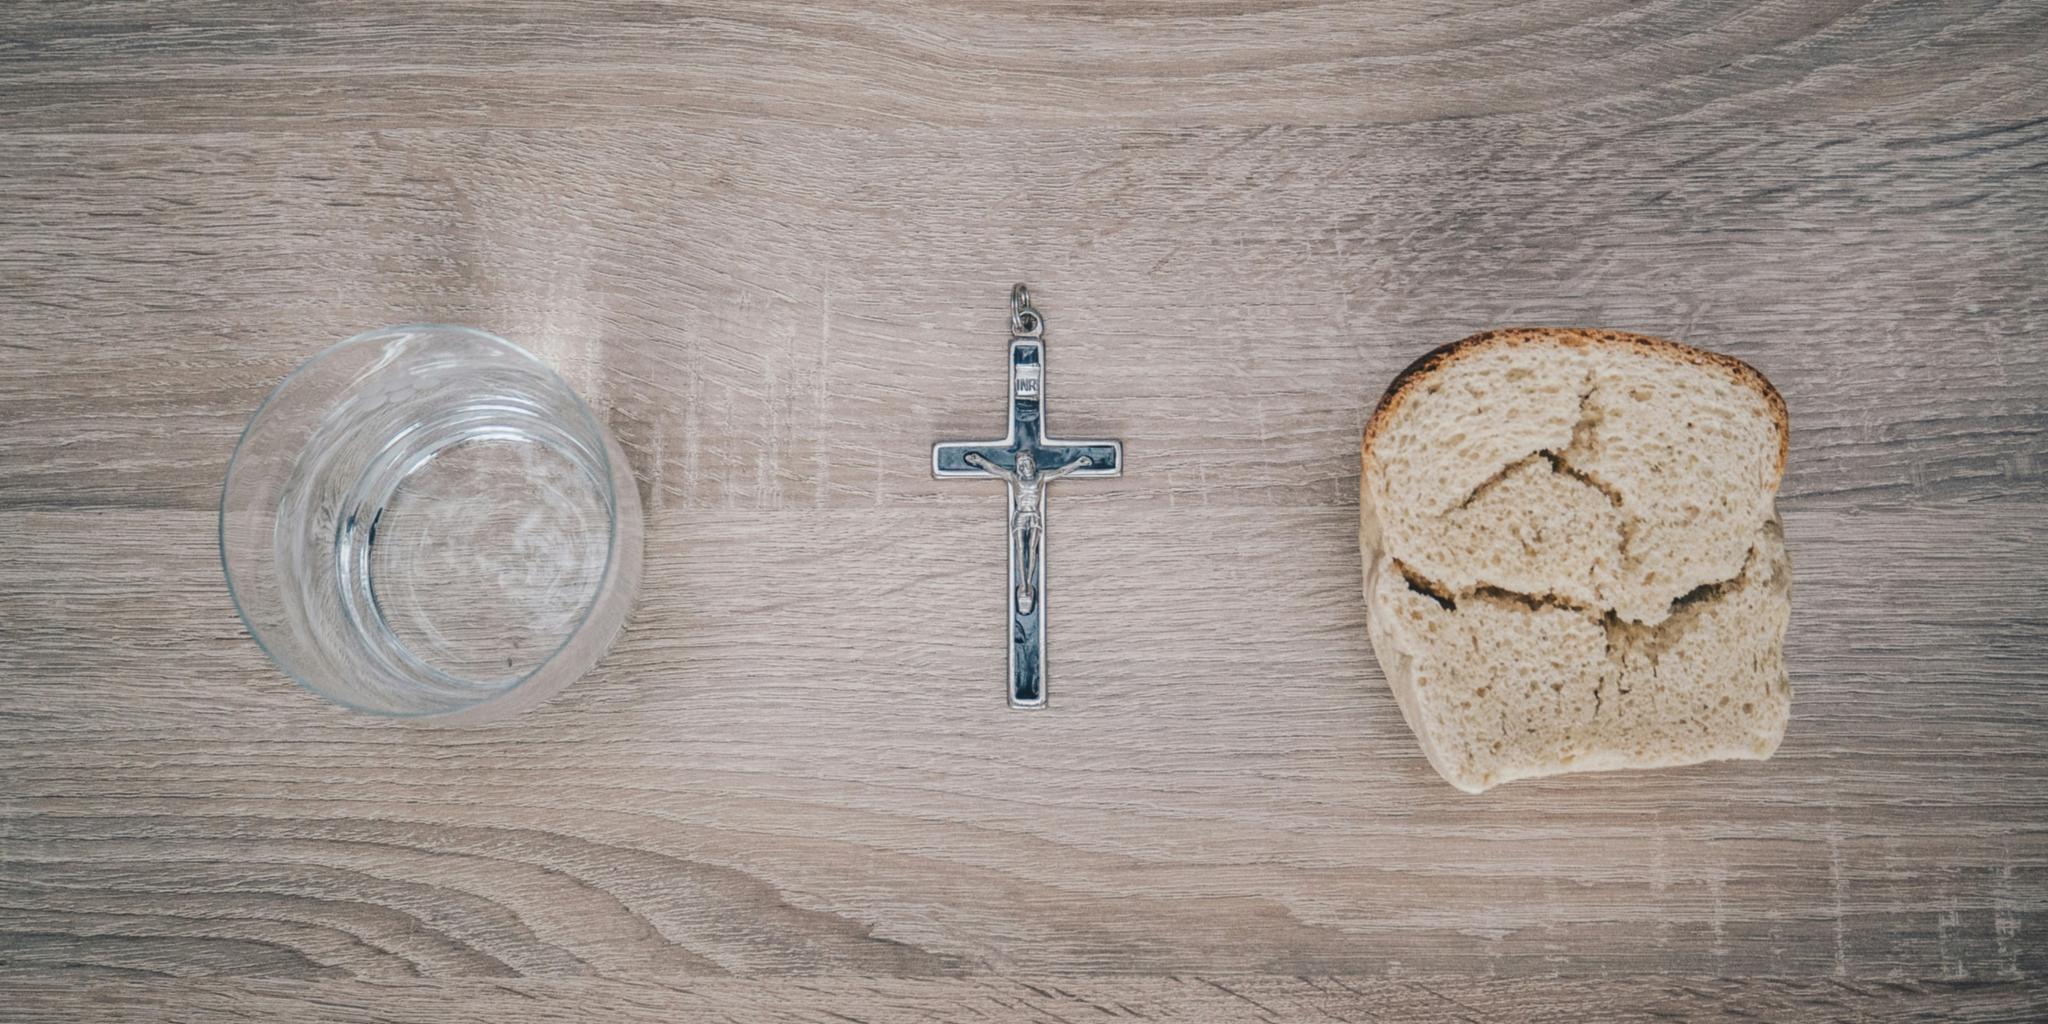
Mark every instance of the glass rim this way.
pixel 611 515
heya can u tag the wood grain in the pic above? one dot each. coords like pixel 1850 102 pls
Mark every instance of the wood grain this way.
pixel 771 244
pixel 1218 1000
pixel 186 65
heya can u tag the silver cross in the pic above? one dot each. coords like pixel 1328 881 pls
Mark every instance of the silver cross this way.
pixel 1027 460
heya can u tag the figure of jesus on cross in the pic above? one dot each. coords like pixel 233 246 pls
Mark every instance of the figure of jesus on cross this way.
pixel 1027 523
pixel 1027 460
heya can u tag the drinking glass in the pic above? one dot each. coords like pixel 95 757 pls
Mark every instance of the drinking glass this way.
pixel 425 521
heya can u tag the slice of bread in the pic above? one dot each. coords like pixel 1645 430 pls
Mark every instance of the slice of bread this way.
pixel 1572 554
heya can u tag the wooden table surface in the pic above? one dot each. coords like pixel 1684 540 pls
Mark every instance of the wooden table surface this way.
pixel 771 243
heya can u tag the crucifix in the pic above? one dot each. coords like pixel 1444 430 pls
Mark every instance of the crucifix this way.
pixel 1027 460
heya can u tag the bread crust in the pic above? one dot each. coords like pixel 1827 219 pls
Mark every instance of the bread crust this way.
pixel 1422 370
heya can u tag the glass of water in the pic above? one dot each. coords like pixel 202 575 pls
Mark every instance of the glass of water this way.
pixel 425 521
